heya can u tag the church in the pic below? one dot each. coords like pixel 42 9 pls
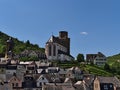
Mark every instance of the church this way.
pixel 58 48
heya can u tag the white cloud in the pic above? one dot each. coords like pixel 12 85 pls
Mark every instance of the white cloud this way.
pixel 84 33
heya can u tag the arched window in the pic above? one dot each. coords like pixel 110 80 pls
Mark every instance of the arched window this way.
pixel 49 50
pixel 54 50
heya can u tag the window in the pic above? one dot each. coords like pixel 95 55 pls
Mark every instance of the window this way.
pixel 16 84
pixel 40 84
pixel 110 86
pixel 54 50
pixel 12 84
pixel 50 50
pixel 105 87
pixel 15 79
pixel 96 85
pixel 42 78
pixel 44 83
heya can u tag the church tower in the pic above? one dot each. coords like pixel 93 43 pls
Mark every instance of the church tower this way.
pixel 58 48
pixel 65 40
pixel 9 48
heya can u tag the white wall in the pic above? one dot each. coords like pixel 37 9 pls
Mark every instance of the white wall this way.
pixel 40 80
pixel 100 60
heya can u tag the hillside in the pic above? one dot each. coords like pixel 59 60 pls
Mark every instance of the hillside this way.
pixel 114 64
pixel 112 68
pixel 112 59
pixel 19 46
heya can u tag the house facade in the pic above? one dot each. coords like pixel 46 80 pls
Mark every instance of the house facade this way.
pixel 15 82
pixel 106 83
pixel 98 59
pixel 42 80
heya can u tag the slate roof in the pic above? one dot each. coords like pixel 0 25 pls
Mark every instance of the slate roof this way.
pixel 63 71
pixel 93 56
pixel 88 79
pixel 62 52
pixel 113 80
pixel 57 86
pixel 8 76
pixel 41 71
pixel 80 85
pixel 69 80
pixel 39 54
pixel 74 68
pixel 13 78
pixel 11 67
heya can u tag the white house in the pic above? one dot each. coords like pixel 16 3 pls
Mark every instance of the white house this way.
pixel 98 59
pixel 42 80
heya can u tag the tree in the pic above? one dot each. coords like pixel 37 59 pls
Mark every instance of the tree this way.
pixel 2 49
pixel 33 58
pixel 106 67
pixel 36 46
pixel 80 57
pixel 27 43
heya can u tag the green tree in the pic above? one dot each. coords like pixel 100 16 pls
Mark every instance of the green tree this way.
pixel 107 67
pixel 24 59
pixel 33 58
pixel 36 45
pixel 80 57
pixel 27 43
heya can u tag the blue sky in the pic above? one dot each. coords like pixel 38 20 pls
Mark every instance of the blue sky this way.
pixel 93 25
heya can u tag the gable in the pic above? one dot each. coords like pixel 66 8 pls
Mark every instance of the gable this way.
pixel 42 78
pixel 14 79
pixel 33 54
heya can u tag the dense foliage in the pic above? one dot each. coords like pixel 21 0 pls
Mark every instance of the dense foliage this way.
pixel 80 57
pixel 32 58
pixel 91 69
pixel 19 46
pixel 114 63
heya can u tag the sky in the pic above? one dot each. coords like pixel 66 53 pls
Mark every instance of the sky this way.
pixel 92 25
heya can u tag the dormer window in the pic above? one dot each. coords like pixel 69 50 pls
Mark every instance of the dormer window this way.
pixel 42 78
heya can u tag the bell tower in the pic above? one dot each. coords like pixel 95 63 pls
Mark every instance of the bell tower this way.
pixel 65 40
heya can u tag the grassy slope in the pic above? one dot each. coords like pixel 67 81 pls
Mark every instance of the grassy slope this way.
pixel 92 69
pixel 97 71
pixel 112 59
pixel 19 46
